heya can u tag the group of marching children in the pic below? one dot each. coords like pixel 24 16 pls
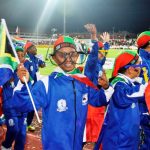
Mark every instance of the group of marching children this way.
pixel 66 94
pixel 35 63
pixel 18 122
pixel 143 43
pixel 94 71
pixel 127 121
pixel 121 127
pixel 64 97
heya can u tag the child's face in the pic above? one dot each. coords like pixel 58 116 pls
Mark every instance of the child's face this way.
pixel 147 48
pixel 33 50
pixel 66 58
pixel 21 56
pixel 135 71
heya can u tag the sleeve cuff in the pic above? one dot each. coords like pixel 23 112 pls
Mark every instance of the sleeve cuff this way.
pixel 109 92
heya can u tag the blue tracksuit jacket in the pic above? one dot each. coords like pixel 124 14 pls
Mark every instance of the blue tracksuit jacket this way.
pixel 64 101
pixel 145 117
pixel 121 125
pixel 94 65
pixel 15 120
pixel 34 66
pixel 8 90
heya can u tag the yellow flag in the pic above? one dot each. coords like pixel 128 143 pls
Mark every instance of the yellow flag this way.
pixel 2 39
pixel 145 74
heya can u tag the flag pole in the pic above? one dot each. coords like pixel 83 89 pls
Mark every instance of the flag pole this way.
pixel 17 31
pixel 16 56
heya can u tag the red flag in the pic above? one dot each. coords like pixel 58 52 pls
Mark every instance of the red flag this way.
pixel 147 96
pixel 84 80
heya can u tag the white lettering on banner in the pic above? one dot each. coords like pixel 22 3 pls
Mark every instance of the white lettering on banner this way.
pixel 109 63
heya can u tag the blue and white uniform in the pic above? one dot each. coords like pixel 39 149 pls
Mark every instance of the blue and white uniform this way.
pixel 93 67
pixel 34 66
pixel 145 117
pixel 15 120
pixel 121 124
pixel 64 101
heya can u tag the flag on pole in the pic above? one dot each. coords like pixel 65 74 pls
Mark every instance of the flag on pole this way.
pixel 17 30
pixel 8 63
pixel 18 41
pixel 12 60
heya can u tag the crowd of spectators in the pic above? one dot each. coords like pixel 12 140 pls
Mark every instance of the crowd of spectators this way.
pixel 119 40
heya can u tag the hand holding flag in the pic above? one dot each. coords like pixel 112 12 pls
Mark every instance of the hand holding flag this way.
pixel 22 72
pixel 7 48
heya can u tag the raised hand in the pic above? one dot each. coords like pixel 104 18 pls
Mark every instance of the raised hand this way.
pixel 105 37
pixel 92 29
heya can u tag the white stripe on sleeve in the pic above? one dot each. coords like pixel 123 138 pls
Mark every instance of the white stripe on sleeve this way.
pixel 141 91
pixel 109 92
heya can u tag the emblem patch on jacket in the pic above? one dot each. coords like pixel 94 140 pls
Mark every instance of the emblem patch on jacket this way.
pixel 133 105
pixel 31 68
pixel 85 99
pixel 61 105
pixel 11 122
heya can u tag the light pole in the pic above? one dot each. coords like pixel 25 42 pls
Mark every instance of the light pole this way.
pixel 64 17
pixel 113 35
pixel 37 34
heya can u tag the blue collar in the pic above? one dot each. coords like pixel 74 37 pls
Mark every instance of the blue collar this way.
pixel 31 56
pixel 144 54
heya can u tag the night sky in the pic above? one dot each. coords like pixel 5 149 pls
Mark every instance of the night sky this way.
pixel 125 15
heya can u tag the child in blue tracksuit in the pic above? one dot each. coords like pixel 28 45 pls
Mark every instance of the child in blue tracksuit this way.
pixel 121 126
pixel 143 42
pixel 64 96
pixel 15 120
pixel 31 52
pixel 93 70
pixel 35 63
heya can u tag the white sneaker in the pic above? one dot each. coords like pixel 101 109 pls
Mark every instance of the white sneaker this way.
pixel 3 148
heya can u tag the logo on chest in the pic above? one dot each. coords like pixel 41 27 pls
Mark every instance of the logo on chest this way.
pixel 11 122
pixel 61 105
pixel 133 105
pixel 31 68
pixel 85 99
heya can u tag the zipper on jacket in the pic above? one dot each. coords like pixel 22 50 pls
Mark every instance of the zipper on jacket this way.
pixel 75 112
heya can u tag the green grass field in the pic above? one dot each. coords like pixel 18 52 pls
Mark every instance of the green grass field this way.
pixel 49 67
pixel 113 53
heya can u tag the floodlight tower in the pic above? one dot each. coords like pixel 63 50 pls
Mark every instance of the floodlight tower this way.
pixel 64 30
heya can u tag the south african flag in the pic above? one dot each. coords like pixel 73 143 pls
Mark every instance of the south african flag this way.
pixel 8 62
